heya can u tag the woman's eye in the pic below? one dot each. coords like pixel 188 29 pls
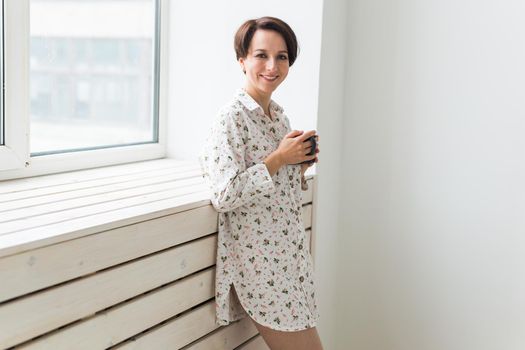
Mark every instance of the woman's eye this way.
pixel 283 57
pixel 261 55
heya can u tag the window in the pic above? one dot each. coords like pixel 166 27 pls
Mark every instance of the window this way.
pixel 89 91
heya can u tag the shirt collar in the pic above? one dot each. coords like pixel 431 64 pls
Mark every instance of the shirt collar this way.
pixel 252 105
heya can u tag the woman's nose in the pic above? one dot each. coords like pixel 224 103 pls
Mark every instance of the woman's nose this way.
pixel 271 64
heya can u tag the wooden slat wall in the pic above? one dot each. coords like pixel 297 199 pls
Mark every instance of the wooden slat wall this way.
pixel 145 285
pixel 226 338
pixel 257 343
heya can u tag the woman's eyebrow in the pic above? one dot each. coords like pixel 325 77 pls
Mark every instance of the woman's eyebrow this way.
pixel 263 50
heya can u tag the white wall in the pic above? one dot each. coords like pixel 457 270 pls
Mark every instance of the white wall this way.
pixel 329 175
pixel 432 257
pixel 204 73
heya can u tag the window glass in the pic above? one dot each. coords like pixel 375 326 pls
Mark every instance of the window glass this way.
pixel 92 79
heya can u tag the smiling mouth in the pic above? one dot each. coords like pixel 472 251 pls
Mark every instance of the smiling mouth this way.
pixel 270 78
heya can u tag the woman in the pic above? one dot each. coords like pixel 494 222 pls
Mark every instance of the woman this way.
pixel 254 165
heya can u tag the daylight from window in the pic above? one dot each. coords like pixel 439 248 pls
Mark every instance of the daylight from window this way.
pixel 91 74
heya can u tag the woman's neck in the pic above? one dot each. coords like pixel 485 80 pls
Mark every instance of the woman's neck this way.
pixel 262 100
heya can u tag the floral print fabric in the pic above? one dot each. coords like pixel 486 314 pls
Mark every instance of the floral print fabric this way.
pixel 262 246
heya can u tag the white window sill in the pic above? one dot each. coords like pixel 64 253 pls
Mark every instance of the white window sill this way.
pixel 44 210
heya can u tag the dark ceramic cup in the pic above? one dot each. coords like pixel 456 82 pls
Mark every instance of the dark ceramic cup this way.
pixel 313 149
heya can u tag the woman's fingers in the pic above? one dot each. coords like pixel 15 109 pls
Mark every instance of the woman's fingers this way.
pixel 306 135
pixel 294 133
pixel 299 149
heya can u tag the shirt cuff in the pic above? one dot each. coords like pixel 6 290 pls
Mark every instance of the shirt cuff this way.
pixel 261 178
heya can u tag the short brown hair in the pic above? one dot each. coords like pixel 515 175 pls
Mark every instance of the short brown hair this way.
pixel 244 36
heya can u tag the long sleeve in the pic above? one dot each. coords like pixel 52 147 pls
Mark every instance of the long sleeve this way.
pixel 224 169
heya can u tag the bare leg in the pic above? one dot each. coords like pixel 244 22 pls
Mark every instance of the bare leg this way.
pixel 307 339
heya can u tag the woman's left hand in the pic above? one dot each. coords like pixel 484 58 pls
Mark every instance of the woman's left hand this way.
pixel 307 165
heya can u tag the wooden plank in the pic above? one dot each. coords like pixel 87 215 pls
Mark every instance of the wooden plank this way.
pixel 43 267
pixel 79 189
pixel 60 193
pixel 309 238
pixel 45 311
pixel 307 215
pixel 257 343
pixel 63 214
pixel 64 205
pixel 62 231
pixel 178 332
pixel 117 324
pixel 61 204
pixel 227 337
pixel 140 168
pixel 40 268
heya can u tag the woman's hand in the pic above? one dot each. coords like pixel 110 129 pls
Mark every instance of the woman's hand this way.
pixel 293 148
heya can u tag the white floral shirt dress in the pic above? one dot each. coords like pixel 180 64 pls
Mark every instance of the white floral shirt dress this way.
pixel 262 246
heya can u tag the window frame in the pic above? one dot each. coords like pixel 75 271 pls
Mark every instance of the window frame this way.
pixel 14 154
pixel 15 159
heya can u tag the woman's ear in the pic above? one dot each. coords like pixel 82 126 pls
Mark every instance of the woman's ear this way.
pixel 241 63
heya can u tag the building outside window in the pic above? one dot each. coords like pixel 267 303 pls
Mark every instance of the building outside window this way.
pixel 92 74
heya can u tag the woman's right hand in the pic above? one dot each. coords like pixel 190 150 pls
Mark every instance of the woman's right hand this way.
pixel 293 148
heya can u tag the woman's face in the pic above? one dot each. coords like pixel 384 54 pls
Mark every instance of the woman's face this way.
pixel 266 63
